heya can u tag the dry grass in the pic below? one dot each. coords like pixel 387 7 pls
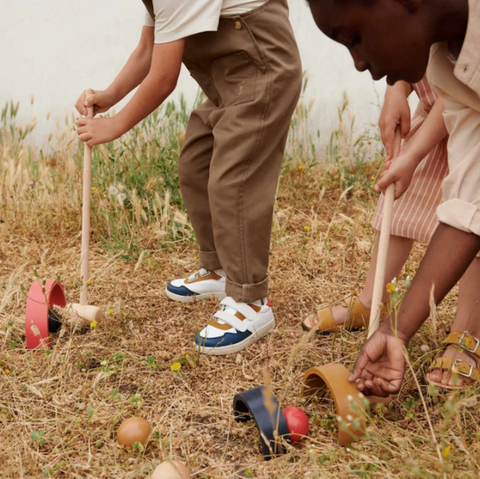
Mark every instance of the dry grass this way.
pixel 60 408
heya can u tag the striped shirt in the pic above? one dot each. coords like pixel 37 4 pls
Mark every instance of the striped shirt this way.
pixel 414 214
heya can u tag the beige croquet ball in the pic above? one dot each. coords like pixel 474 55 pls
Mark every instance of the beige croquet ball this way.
pixel 171 470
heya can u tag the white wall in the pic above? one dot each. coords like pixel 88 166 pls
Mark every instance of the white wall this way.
pixel 53 49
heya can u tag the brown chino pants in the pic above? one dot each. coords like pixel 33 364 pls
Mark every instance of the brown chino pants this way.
pixel 229 166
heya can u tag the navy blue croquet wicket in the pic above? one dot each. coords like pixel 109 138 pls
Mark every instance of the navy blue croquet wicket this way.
pixel 271 426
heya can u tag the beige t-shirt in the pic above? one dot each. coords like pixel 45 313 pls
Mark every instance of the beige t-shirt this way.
pixel 457 79
pixel 176 19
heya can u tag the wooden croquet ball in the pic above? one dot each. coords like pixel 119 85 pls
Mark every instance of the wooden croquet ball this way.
pixel 133 429
pixel 297 422
pixel 171 470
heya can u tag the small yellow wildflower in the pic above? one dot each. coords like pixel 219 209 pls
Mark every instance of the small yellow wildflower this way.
pixel 110 311
pixel 176 366
pixel 7 371
pixel 307 228
pixel 372 178
pixel 93 324
pixel 300 167
pixel 390 288
pixel 89 282
pixel 446 451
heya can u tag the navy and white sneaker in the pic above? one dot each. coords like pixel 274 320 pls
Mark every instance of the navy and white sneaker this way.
pixel 235 326
pixel 202 284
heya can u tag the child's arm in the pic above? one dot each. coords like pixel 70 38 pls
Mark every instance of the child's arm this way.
pixel 380 366
pixel 423 142
pixel 155 88
pixel 395 111
pixel 131 75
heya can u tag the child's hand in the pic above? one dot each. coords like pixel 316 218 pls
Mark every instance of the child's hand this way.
pixel 101 100
pixel 94 131
pixel 380 366
pixel 395 111
pixel 399 171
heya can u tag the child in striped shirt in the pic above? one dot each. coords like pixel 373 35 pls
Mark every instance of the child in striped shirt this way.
pixel 414 214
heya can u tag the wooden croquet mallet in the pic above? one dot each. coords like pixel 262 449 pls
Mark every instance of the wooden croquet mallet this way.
pixel 349 403
pixel 382 255
pixel 46 304
pixel 83 312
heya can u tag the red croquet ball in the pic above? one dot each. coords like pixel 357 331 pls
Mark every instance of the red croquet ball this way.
pixel 297 422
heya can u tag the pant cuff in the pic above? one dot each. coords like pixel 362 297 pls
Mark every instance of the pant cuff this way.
pixel 209 260
pixel 247 293
pixel 460 214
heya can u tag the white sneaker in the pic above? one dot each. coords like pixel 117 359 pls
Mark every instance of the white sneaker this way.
pixel 235 326
pixel 200 285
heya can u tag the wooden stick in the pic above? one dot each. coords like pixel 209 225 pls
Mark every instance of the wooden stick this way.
pixel 379 282
pixel 87 190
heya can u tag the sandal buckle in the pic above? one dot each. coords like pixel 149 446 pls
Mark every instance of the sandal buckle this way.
pixel 465 375
pixel 462 344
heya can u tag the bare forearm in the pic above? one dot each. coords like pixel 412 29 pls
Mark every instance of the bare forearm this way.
pixel 432 132
pixel 448 256
pixel 157 86
pixel 136 69
pixel 150 95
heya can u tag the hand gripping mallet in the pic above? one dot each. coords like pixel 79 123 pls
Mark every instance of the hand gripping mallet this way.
pixel 45 297
pixel 334 377
pixel 81 312
pixel 382 255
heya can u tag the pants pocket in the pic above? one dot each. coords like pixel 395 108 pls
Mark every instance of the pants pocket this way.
pixel 204 80
pixel 235 76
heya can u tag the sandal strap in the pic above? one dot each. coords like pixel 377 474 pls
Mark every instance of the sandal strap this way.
pixel 457 366
pixel 466 342
pixel 358 312
pixel 325 321
pixel 356 307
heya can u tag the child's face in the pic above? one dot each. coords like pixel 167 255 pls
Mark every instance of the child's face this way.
pixel 387 37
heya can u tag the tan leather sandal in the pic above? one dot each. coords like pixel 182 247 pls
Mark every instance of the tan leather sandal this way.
pixel 466 343
pixel 322 320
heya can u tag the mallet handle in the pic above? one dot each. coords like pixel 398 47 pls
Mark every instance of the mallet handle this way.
pixel 87 190
pixel 382 256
